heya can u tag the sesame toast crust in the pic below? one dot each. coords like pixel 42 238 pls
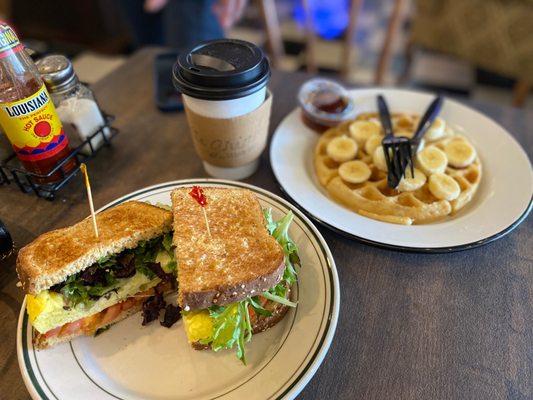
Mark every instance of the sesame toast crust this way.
pixel 238 260
pixel 55 255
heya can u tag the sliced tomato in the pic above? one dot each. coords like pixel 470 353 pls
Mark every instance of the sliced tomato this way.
pixel 111 313
pixel 126 305
pixel 53 332
pixel 89 324
pixel 71 328
pixel 263 300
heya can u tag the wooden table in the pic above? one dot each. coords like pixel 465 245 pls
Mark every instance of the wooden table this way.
pixel 411 326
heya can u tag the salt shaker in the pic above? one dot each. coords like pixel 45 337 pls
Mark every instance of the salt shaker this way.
pixel 75 102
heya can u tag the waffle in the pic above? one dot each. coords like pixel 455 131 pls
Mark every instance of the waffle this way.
pixel 373 198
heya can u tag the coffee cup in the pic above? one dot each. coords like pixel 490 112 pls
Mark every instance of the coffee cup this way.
pixel 224 88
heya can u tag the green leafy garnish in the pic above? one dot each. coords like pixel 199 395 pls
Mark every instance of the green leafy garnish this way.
pixel 280 231
pixel 279 299
pixel 167 242
pixel 171 266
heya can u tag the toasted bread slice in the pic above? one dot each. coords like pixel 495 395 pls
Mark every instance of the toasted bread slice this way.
pixel 238 260
pixel 56 255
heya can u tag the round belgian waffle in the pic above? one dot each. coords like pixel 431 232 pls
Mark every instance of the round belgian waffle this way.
pixel 374 198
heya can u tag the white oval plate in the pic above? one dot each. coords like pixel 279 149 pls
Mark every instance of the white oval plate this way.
pixel 503 199
pixel 134 362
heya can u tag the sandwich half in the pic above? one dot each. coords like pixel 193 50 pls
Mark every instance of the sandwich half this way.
pixel 77 284
pixel 235 267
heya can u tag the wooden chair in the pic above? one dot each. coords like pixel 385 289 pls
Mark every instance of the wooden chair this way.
pixel 273 31
pixel 521 88
pixel 385 53
pixel 275 42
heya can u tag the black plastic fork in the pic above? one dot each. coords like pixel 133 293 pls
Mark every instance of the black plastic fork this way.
pixel 397 149
pixel 423 125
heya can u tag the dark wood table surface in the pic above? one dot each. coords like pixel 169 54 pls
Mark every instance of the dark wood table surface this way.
pixel 411 326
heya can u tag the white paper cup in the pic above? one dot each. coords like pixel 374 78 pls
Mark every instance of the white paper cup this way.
pixel 225 108
pixel 223 83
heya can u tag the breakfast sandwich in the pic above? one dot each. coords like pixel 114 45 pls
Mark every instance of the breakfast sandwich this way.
pixel 235 266
pixel 78 284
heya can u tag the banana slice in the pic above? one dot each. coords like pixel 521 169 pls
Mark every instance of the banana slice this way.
pixel 362 130
pixel 460 153
pixel 342 149
pixel 378 158
pixel 372 143
pixel 448 132
pixel 444 187
pixel 354 171
pixel 432 160
pixel 410 182
pixel 403 123
pixel 375 121
pixel 405 133
pixel 436 130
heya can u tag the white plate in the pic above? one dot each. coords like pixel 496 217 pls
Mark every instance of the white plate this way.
pixel 503 199
pixel 134 362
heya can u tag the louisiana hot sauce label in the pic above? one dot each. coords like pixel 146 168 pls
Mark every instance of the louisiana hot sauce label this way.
pixel 33 127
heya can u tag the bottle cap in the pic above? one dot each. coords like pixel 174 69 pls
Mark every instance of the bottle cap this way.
pixel 57 73
pixel 221 69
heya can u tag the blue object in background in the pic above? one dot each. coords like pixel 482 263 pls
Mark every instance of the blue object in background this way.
pixel 330 17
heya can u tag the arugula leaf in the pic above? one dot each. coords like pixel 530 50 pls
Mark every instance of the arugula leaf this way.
pixel 270 224
pixel 279 299
pixel 171 266
pixel 226 327
pixel 167 242
pixel 257 307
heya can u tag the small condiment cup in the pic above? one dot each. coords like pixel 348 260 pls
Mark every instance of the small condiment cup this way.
pixel 325 104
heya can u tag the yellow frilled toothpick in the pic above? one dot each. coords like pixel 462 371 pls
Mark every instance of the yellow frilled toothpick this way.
pixel 83 169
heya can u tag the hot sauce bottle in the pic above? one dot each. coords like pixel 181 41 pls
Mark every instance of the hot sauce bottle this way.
pixel 27 113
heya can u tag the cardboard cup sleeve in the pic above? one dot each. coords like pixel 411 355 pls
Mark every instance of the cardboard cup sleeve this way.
pixel 231 142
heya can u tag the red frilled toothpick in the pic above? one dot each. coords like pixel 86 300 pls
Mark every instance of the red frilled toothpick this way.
pixel 197 193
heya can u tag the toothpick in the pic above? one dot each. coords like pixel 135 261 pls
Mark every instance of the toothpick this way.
pixel 206 222
pixel 83 169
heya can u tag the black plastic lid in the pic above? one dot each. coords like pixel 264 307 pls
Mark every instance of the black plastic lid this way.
pixel 221 69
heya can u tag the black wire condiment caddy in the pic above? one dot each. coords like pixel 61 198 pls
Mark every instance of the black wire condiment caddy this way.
pixel 28 182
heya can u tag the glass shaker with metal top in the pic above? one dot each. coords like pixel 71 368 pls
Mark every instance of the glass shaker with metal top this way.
pixel 75 102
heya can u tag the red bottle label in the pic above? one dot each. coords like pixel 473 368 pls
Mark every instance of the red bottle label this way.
pixel 33 127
